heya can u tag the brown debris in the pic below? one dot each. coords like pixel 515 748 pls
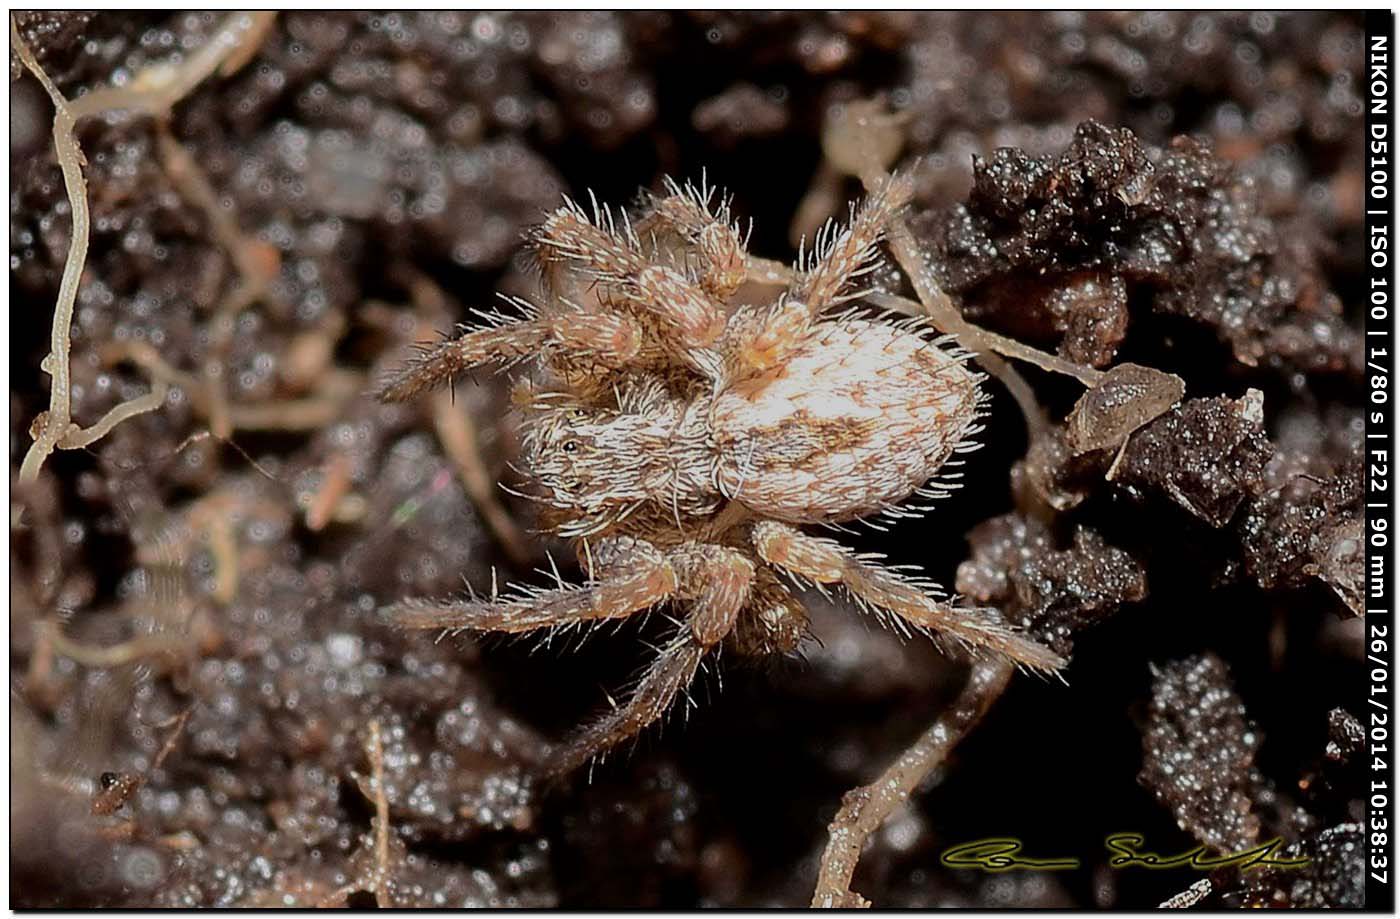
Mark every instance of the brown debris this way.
pixel 1126 398
pixel 1208 456
pixel 1346 735
pixel 741 111
pixel 1065 243
pixel 1308 528
pixel 1016 566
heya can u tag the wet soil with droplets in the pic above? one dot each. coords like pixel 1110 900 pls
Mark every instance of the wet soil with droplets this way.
pixel 196 664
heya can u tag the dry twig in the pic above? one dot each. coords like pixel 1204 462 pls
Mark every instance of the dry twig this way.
pixel 118 788
pixel 457 432
pixel 110 656
pixel 378 880
pixel 335 483
pixel 309 413
pixel 256 262
pixel 460 439
pixel 381 808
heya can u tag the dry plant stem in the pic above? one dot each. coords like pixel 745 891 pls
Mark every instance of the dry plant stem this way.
pixel 153 91
pixel 376 883
pixel 109 800
pixel 192 183
pixel 224 547
pixel 864 142
pixel 334 486
pixel 105 658
pixel 145 356
pixel 457 432
pixel 821 201
pixel 870 167
pixel 769 271
pixel 257 265
pixel 870 164
pixel 159 86
pixel 39 685
pixel 306 414
pixel 381 804
pixel 940 307
pixel 946 318
pixel 177 727
pixel 309 414
pixel 212 515
pixel 864 809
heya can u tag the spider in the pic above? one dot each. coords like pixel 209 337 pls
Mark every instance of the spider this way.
pixel 682 427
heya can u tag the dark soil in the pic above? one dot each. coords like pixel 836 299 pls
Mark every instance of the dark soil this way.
pixel 1180 191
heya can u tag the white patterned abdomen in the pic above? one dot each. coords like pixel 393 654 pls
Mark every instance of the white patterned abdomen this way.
pixel 858 419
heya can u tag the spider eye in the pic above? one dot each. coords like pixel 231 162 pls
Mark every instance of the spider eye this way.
pixel 570 446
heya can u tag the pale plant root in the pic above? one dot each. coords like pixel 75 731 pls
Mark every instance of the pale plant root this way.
pixel 152 91
pixel 864 809
pixel 376 877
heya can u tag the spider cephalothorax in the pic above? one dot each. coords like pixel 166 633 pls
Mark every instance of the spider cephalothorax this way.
pixel 591 465
pixel 684 423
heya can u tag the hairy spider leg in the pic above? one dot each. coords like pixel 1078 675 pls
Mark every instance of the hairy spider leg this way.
pixel 648 580
pixel 775 621
pixel 615 258
pixel 839 257
pixel 717 580
pixel 873 586
pixel 672 671
pixel 438 364
pixel 823 280
pixel 609 339
pixel 686 212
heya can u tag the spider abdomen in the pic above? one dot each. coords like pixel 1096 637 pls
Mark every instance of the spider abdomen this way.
pixel 859 418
